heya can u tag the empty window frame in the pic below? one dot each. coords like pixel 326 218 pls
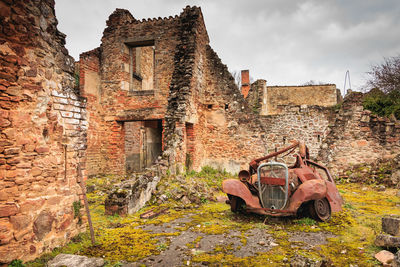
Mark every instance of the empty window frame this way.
pixel 141 65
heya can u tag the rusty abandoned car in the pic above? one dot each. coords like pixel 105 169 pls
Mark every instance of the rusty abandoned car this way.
pixel 272 188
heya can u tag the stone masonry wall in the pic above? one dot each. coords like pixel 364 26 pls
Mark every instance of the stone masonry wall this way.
pixel 357 136
pixel 42 132
pixel 308 124
pixel 255 97
pixel 274 98
pixel 180 94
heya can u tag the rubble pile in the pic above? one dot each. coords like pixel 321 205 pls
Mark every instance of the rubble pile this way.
pixel 390 239
pixel 383 171
pixel 187 190
pixel 131 195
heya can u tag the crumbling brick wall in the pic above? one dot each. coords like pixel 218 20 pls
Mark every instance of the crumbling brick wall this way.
pixel 231 133
pixel 188 78
pixel 256 97
pixel 206 120
pixel 180 92
pixel 205 107
pixel 227 135
pixel 42 132
pixel 111 99
pixel 89 83
pixel 357 136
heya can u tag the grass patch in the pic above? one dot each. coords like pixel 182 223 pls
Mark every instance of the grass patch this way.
pixel 121 238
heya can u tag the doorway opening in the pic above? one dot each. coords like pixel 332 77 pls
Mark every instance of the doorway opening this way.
pixel 189 146
pixel 143 144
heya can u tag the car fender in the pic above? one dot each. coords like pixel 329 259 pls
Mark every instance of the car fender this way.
pixel 237 188
pixel 309 190
pixel 334 198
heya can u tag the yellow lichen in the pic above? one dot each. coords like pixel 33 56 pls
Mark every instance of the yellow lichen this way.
pixel 195 242
pixel 121 238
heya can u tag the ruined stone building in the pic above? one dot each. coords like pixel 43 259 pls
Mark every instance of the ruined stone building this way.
pixel 153 89
pixel 156 85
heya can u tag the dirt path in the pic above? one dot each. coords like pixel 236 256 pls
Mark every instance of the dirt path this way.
pixel 191 242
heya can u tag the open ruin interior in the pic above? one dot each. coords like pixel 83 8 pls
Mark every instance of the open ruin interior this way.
pixel 154 91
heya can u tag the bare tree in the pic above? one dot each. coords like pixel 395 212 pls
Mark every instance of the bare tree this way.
pixel 237 75
pixel 312 82
pixel 385 76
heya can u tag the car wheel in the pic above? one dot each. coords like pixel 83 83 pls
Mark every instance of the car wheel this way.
pixel 320 209
pixel 236 203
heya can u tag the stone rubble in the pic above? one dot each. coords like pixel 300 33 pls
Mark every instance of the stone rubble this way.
pixel 131 195
pixel 390 239
pixel 391 225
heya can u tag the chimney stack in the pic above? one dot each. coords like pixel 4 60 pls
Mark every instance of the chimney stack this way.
pixel 245 88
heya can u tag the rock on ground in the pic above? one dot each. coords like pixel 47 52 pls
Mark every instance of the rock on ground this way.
pixel 395 178
pixel 397 258
pixel 383 240
pixel 301 261
pixel 385 257
pixel 70 260
pixel 391 225
pixel 131 195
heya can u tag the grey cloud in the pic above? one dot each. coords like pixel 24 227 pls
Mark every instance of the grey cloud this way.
pixel 285 42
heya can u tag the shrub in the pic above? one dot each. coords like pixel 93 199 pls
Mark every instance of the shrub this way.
pixel 383 104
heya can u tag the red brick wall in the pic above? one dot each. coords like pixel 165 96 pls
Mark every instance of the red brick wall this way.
pixel 42 133
pixel 89 66
pixel 204 114
pixel 190 145
pixel 114 102
pixel 245 82
pixel 132 136
pixel 228 134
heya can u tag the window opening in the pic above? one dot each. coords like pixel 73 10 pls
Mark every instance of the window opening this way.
pixel 141 66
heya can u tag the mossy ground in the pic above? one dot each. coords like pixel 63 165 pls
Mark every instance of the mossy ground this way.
pixel 349 234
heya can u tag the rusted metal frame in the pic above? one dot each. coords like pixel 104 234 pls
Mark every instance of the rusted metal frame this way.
pixel 322 167
pixel 272 212
pixel 255 162
pixel 290 152
pixel 272 181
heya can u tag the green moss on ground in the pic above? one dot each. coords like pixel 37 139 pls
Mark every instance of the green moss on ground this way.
pixel 119 238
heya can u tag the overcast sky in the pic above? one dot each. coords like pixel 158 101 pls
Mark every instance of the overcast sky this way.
pixel 286 42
